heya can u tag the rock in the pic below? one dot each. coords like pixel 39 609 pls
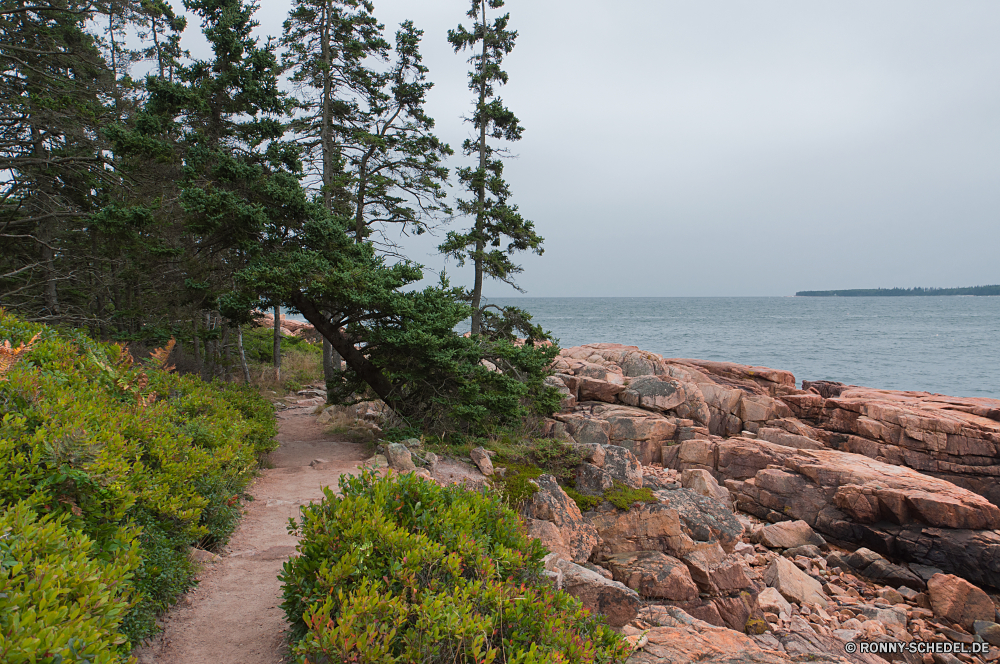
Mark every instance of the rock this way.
pixel 956 439
pixel 592 389
pixel 892 596
pixel 642 432
pixel 616 602
pixel 653 574
pixel 958 601
pixel 782 437
pixel 988 630
pixel 871 565
pixel 771 600
pixel 592 480
pixel 715 572
pixel 550 503
pixel 649 527
pixel 794 584
pixel 701 481
pixel 622 466
pixel 482 460
pixel 704 519
pixel 592 453
pixel 658 393
pixel 788 535
pixel 852 498
pixel 398 457
pixel 600 570
pixel 807 550
pixel 741 613
pixel 692 640
pixel 413 443
pixel 202 556
pixel 895 615
pixel 548 534
pixel 376 462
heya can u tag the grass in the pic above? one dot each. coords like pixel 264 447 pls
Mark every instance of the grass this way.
pixel 301 361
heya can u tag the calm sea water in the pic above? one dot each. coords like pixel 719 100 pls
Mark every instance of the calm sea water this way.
pixel 948 345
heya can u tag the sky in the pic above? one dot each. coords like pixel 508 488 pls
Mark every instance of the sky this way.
pixel 734 147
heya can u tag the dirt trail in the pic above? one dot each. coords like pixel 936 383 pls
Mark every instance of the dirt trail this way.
pixel 234 615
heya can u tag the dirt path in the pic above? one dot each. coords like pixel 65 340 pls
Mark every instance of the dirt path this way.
pixel 234 615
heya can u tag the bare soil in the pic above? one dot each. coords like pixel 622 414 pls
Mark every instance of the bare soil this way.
pixel 234 615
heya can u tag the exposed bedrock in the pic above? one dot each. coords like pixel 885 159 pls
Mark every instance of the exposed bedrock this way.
pixel 893 510
pixel 621 395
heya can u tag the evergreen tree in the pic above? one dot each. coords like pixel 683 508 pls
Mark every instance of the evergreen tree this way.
pixel 498 224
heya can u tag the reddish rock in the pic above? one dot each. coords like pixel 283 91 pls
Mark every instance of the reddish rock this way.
pixel 653 574
pixel 592 389
pixel 613 600
pixel 550 503
pixel 958 601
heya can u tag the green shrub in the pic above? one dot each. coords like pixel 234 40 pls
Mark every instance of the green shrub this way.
pixel 60 600
pixel 623 496
pixel 105 443
pixel 584 502
pixel 399 569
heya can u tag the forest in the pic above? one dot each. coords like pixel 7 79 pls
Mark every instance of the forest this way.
pixel 903 292
pixel 149 195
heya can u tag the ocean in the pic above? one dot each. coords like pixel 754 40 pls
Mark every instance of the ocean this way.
pixel 947 345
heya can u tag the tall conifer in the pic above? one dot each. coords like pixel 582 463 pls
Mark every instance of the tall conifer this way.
pixel 499 230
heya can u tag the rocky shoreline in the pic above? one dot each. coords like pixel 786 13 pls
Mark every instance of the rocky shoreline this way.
pixel 783 523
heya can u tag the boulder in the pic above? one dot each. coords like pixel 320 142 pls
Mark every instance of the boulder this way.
pixel 613 600
pixel 593 389
pixel 988 630
pixel 548 534
pixel 592 453
pixel 482 460
pixel 741 613
pixel 958 601
pixel 592 480
pixel 701 481
pixel 687 639
pixel 649 527
pixel 771 600
pixel 794 584
pixel 871 565
pixel 550 503
pixel 659 393
pixel 622 466
pixel 398 457
pixel 653 574
pixel 788 535
pixel 715 572
pixel 703 518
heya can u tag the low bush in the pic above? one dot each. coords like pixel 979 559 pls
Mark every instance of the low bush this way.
pixel 58 601
pixel 399 569
pixel 301 360
pixel 127 455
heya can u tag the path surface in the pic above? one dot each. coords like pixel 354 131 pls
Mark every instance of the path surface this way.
pixel 234 615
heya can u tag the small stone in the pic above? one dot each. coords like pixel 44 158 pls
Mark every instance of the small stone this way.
pixel 988 630
pixel 788 535
pixel 399 458
pixel 482 460
pixel 891 596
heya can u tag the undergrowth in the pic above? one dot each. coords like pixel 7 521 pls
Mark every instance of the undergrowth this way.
pixel 399 569
pixel 117 455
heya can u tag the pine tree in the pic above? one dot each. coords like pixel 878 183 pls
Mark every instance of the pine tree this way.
pixel 498 224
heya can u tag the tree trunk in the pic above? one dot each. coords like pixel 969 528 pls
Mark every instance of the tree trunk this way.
pixel 477 288
pixel 243 355
pixel 197 347
pixel 354 358
pixel 277 344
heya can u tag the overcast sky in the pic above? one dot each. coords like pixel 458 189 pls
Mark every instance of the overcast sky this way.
pixel 721 147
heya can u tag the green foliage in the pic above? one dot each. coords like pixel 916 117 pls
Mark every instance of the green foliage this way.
pixel 623 496
pixel 499 229
pixel 258 343
pixel 410 355
pixel 61 599
pixel 398 569
pixel 584 502
pixel 126 454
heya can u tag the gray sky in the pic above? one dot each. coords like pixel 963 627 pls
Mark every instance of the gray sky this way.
pixel 724 147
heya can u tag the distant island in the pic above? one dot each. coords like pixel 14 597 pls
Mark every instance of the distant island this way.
pixel 901 292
